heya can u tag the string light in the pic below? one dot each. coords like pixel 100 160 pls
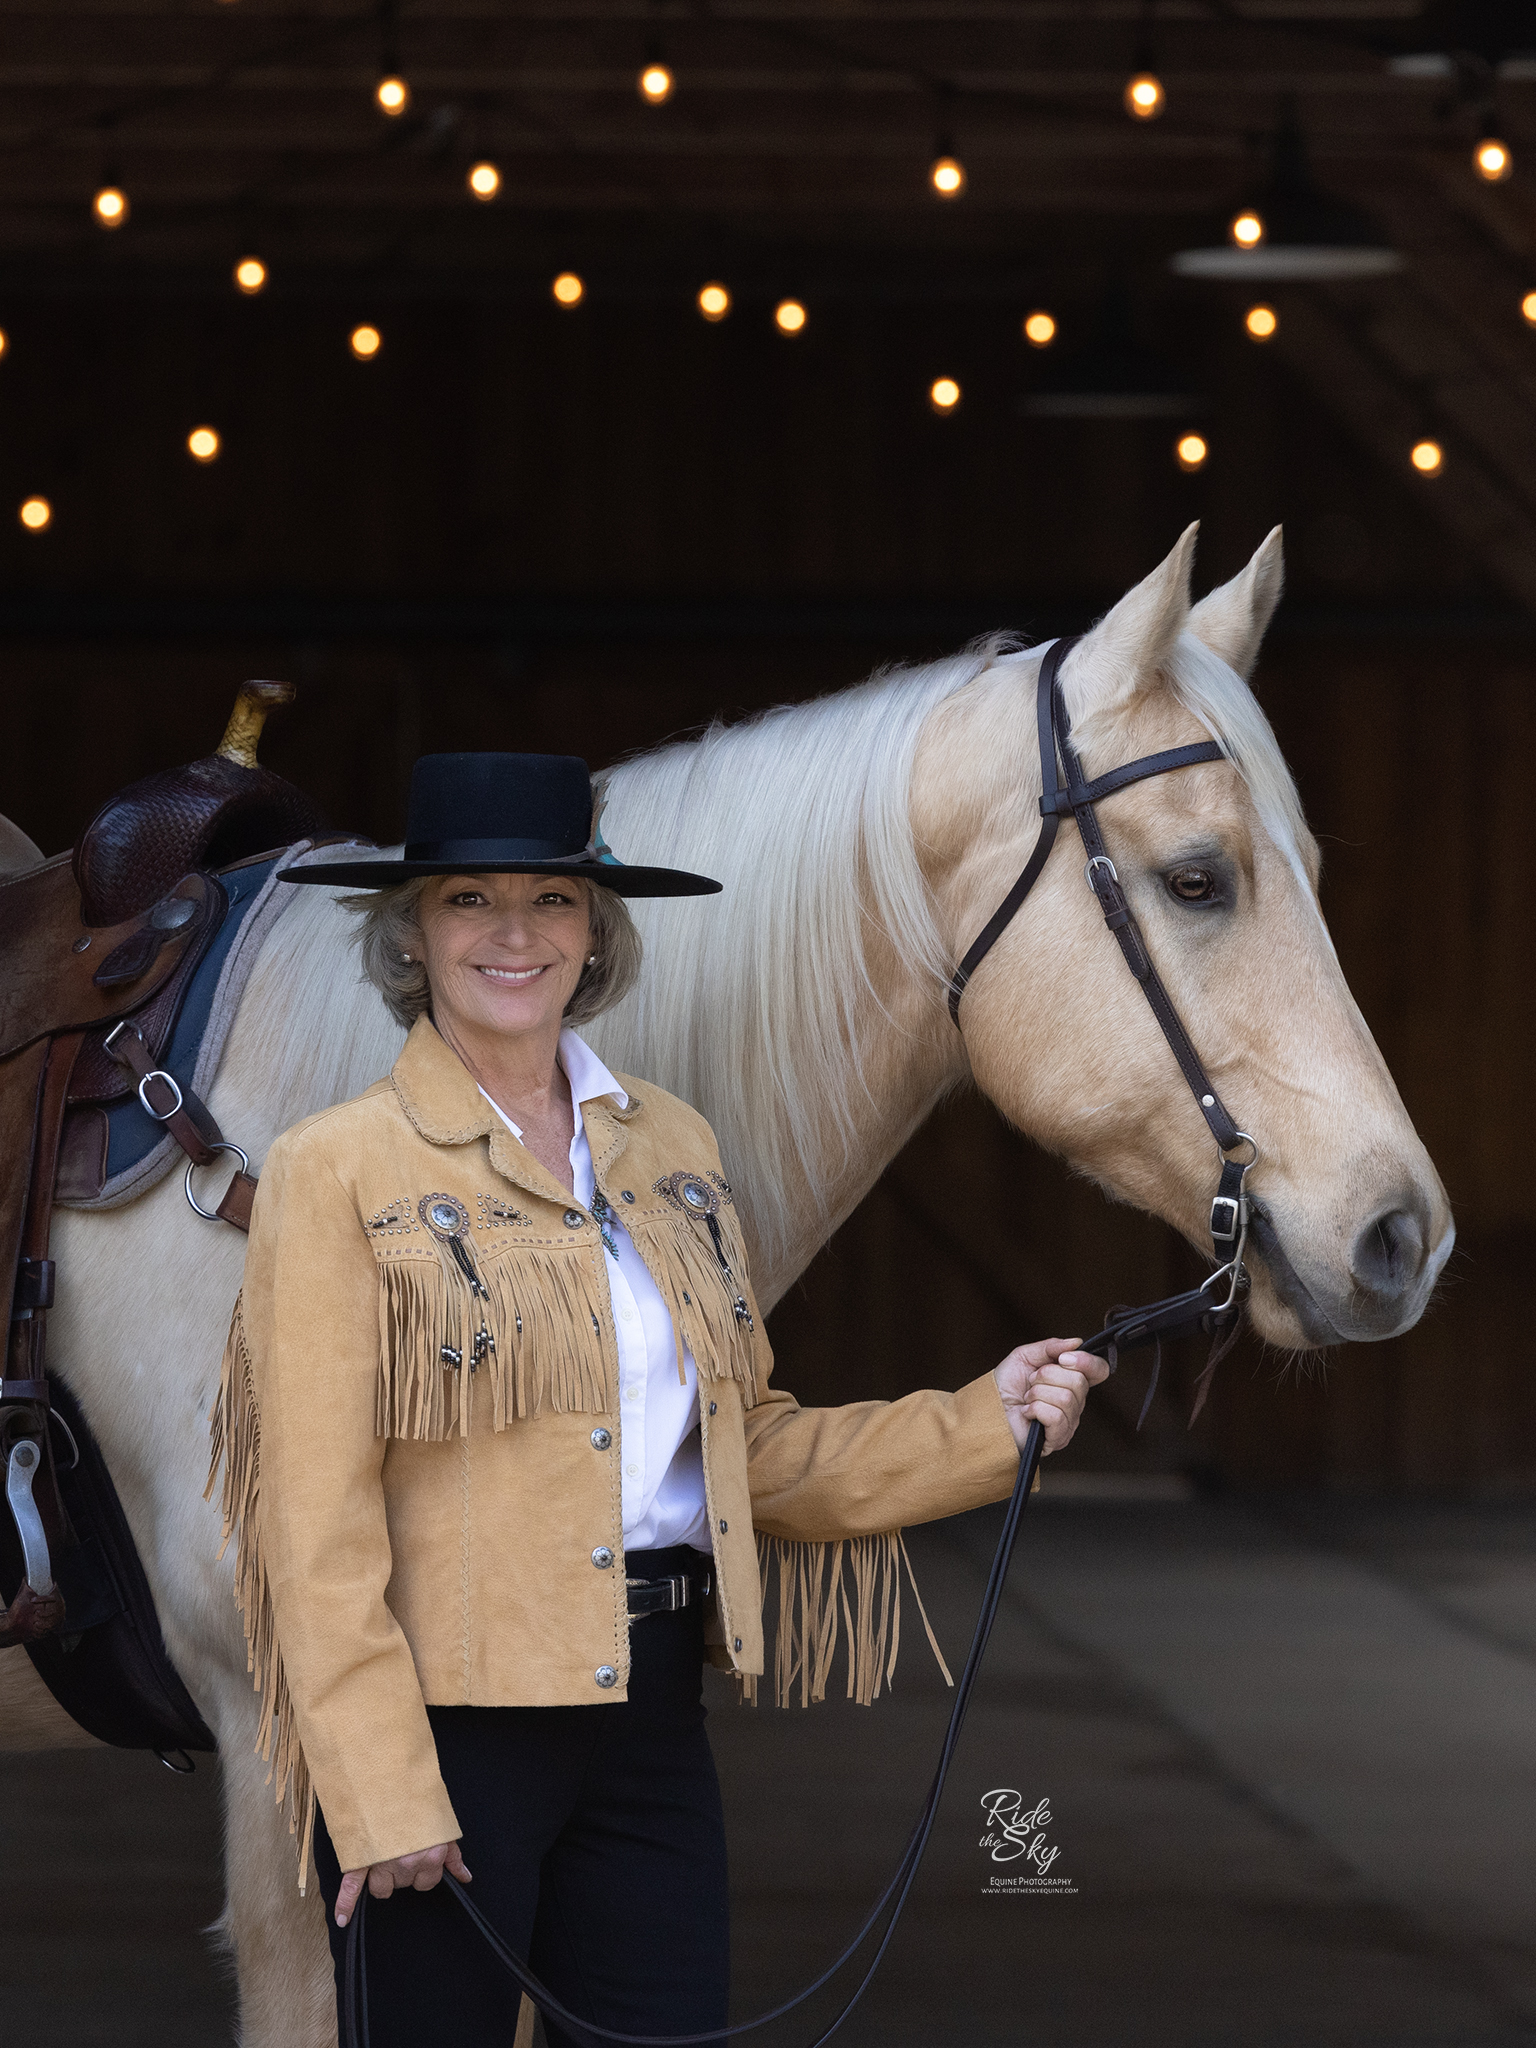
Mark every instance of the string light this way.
pixel 656 82
pixel 5 342
pixel 366 343
pixel 946 174
pixel 1039 330
pixel 714 301
pixel 110 207
pixel 1427 457
pixel 35 514
pixel 789 316
pixel 1191 451
pixel 568 288
pixel 1260 322
pixel 484 181
pixel 1144 97
pixel 251 275
pixel 1528 307
pixel 392 95
pixel 1492 160
pixel 1247 229
pixel 203 444
pixel 943 394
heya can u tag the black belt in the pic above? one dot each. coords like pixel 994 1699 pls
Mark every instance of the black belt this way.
pixel 666 1596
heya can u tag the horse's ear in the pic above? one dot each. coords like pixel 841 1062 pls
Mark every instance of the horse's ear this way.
pixel 1233 618
pixel 1132 642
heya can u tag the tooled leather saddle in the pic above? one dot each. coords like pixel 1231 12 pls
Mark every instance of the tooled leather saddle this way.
pixel 99 952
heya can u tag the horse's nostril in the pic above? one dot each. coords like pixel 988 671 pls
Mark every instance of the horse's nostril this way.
pixel 1389 1252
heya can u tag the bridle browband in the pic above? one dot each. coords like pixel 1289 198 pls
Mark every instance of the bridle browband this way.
pixel 1065 790
pixel 1125 1330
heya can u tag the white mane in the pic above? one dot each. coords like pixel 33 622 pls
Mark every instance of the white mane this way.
pixel 802 813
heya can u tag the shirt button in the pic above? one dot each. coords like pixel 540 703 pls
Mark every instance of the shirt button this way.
pixel 602 1557
pixel 628 1314
pixel 601 1439
pixel 632 1470
pixel 606 1675
pixel 573 1221
pixel 631 1393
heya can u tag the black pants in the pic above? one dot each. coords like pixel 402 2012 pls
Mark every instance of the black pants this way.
pixel 597 1845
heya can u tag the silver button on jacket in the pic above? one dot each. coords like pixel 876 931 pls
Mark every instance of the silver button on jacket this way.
pixel 606 1675
pixel 574 1219
pixel 602 1557
pixel 601 1439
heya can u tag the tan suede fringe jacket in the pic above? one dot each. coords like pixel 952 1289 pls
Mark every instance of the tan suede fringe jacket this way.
pixel 422 1443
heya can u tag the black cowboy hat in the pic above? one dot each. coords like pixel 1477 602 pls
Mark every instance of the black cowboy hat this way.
pixel 503 814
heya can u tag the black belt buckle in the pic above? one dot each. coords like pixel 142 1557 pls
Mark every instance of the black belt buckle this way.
pixel 663 1596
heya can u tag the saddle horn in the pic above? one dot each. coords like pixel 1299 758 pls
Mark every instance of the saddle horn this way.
pixel 243 731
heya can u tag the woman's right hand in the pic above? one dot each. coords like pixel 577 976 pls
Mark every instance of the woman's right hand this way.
pixel 418 1872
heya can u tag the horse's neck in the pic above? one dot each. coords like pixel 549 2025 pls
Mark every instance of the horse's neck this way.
pixel 805 1126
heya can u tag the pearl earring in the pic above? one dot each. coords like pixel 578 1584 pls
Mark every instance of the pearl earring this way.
pixel 591 959
pixel 406 958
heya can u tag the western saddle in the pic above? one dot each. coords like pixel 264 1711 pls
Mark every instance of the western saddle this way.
pixel 99 949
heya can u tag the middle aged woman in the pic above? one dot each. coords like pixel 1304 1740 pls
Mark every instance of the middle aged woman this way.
pixel 499 1427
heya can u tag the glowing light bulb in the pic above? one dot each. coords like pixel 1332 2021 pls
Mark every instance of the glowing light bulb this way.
pixel 485 181
pixel 943 394
pixel 1191 451
pixel 110 207
pixel 5 342
pixel 392 95
pixel 251 275
pixel 366 343
pixel 656 83
pixel 1427 457
pixel 1260 322
pixel 714 301
pixel 789 316
pixel 35 514
pixel 1144 97
pixel 1039 330
pixel 1528 307
pixel 203 444
pixel 1247 229
pixel 1492 160
pixel 568 288
pixel 946 174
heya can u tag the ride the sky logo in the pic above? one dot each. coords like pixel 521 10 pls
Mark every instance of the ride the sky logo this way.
pixel 1016 1835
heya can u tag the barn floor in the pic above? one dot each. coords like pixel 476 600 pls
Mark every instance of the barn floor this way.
pixel 1289 1751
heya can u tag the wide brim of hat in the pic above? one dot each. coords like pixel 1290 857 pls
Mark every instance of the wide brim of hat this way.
pixel 619 876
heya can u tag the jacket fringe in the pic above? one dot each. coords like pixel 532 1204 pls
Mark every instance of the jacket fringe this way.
pixel 814 1598
pixel 543 1321
pixel 236 1444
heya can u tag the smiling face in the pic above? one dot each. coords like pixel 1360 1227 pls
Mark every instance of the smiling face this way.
pixel 504 952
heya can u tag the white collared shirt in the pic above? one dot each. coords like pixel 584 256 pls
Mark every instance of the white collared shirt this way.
pixel 662 1472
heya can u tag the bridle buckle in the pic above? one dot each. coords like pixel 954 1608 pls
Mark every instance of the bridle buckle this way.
pixel 1227 1217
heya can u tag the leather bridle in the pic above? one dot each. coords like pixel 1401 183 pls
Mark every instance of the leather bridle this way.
pixel 1203 1308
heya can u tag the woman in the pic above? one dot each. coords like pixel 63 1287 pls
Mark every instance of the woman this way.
pixel 497 1368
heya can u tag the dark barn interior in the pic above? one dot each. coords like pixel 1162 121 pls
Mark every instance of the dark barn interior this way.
pixel 590 526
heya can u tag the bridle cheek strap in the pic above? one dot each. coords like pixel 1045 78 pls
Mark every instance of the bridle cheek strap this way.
pixel 1064 790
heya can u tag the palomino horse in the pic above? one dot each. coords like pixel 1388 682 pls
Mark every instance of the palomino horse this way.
pixel 863 842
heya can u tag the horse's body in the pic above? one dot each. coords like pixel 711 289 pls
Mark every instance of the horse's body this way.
pixel 863 841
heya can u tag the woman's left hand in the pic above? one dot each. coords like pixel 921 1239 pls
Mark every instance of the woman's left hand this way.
pixel 1047 1382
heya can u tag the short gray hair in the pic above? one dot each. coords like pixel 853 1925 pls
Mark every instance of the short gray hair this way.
pixel 389 930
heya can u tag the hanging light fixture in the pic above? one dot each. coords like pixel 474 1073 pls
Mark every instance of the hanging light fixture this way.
pixel 1528 308
pixel 1190 451
pixel 1261 322
pixel 1039 329
pixel 110 207
pixel 944 395
pixel 1144 96
pixel 366 342
pixel 35 514
pixel 250 276
pixel 789 316
pixel 1292 230
pixel 484 181
pixel 1427 457
pixel 1492 160
pixel 568 289
pixel 203 444
pixel 714 301
pixel 656 80
pixel 1113 377
pixel 392 95
pixel 946 174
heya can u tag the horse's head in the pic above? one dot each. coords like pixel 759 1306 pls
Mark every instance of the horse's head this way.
pixel 1351 1224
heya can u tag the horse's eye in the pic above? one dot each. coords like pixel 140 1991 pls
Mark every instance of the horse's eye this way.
pixel 1192 885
